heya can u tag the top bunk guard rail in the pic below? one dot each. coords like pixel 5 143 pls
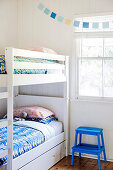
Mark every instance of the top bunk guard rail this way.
pixel 36 54
pixel 40 66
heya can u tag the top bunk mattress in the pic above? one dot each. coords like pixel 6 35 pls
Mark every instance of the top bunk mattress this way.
pixel 26 61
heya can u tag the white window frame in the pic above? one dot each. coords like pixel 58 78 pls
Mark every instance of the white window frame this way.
pixel 108 34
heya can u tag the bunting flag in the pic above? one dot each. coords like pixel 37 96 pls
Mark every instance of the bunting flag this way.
pixel 68 21
pixel 53 15
pixel 79 25
pixel 105 24
pixel 40 6
pixel 60 18
pixel 85 24
pixel 46 11
pixel 76 23
pixel 95 25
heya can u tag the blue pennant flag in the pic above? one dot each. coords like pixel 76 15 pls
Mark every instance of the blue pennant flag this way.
pixel 76 23
pixel 85 24
pixel 53 15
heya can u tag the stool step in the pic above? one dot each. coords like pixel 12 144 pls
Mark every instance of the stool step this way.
pixel 89 130
pixel 88 149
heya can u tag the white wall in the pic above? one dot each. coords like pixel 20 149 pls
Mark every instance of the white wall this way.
pixel 8 23
pixel 36 29
pixel 8 34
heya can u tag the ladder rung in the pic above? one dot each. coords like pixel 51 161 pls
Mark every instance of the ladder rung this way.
pixel 3 95
pixel 3 123
pixel 3 153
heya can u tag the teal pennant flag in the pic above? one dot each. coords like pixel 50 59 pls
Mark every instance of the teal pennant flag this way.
pixel 40 6
pixel 95 25
pixel 60 18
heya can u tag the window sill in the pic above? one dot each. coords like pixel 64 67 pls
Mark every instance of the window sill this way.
pixel 92 99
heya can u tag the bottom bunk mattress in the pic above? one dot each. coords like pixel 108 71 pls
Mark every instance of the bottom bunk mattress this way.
pixel 28 135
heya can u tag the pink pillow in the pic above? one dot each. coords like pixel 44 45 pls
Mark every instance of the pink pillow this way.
pixel 33 111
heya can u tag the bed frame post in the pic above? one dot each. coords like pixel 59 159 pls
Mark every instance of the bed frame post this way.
pixel 10 62
pixel 66 95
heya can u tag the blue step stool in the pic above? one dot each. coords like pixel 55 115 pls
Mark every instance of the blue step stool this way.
pixel 87 148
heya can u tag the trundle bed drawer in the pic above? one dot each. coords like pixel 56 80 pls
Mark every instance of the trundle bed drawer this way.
pixel 47 160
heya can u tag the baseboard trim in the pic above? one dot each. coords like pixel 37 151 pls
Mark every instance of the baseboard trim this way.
pixel 90 156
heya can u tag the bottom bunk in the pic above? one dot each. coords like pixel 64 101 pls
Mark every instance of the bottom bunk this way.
pixel 37 143
pixel 31 141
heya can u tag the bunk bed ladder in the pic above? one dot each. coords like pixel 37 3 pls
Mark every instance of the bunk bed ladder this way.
pixel 9 64
pixel 9 124
pixel 4 123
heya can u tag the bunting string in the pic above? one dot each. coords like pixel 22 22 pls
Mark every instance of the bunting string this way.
pixel 79 25
pixel 53 15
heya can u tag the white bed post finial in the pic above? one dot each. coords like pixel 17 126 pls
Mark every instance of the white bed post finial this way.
pixel 9 65
pixel 66 95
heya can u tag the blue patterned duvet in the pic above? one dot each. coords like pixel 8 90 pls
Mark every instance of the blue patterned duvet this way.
pixel 24 139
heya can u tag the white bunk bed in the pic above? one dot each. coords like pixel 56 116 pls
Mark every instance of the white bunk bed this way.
pixel 50 152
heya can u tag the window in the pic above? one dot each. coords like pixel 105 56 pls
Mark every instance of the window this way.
pixel 94 58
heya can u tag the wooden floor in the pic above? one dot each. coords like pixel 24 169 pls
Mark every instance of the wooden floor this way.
pixel 81 164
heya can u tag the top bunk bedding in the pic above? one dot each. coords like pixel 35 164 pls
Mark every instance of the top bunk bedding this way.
pixel 23 67
pixel 27 62
pixel 28 135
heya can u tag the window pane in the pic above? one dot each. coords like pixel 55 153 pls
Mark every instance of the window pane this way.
pixel 90 77
pixel 108 47
pixel 108 78
pixel 92 47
